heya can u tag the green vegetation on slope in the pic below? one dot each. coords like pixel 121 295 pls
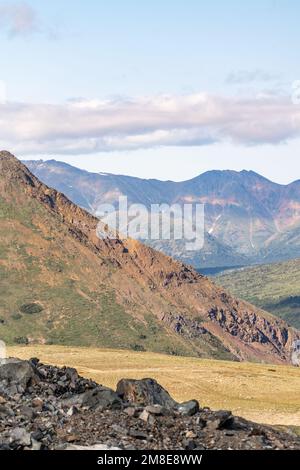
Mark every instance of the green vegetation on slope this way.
pixel 51 293
pixel 274 287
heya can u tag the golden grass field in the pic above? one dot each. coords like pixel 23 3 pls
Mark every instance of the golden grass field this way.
pixel 268 394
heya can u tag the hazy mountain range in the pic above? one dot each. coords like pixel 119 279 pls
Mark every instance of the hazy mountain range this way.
pixel 248 218
pixel 61 284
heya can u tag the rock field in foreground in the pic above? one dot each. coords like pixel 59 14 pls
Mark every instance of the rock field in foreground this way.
pixel 46 407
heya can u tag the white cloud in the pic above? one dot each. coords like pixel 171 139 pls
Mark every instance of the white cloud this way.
pixel 18 18
pixel 81 127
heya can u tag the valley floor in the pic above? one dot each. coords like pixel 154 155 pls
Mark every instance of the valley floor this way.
pixel 263 393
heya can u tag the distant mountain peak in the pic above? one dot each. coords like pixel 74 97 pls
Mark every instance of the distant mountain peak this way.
pixel 232 173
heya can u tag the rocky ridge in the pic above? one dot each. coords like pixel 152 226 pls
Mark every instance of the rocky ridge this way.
pixel 46 407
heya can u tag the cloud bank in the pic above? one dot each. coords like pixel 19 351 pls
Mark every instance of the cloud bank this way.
pixel 18 19
pixel 82 127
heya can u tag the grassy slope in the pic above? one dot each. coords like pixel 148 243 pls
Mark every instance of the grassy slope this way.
pixel 40 262
pixel 77 308
pixel 274 287
pixel 262 393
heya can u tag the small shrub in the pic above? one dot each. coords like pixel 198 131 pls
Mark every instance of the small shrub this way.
pixel 172 352
pixel 137 347
pixel 16 316
pixel 21 340
pixel 31 308
pixel 199 319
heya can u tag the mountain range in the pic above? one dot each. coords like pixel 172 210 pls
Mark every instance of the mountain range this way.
pixel 248 219
pixel 62 284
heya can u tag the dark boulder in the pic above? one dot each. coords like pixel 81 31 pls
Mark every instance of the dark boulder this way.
pixel 99 397
pixel 221 420
pixel 145 392
pixel 17 372
pixel 188 408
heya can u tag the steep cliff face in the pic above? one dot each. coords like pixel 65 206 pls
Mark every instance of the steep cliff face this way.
pixel 113 292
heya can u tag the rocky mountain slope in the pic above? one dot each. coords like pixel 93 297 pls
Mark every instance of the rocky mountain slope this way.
pixel 249 219
pixel 274 287
pixel 44 407
pixel 60 283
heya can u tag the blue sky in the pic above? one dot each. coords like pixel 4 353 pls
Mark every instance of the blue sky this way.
pixel 162 89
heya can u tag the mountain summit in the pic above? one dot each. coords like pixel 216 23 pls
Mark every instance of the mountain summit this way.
pixel 61 284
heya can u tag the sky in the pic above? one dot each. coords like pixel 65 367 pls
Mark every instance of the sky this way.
pixel 161 89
